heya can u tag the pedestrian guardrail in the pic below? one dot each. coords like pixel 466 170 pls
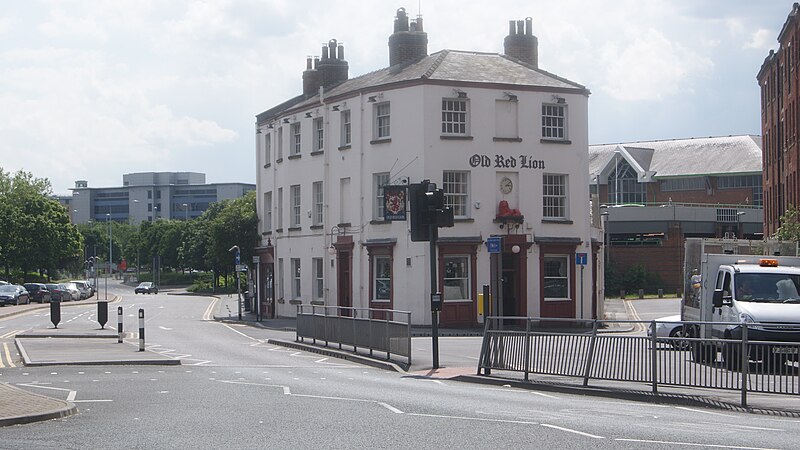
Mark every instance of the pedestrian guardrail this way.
pixel 576 348
pixel 381 330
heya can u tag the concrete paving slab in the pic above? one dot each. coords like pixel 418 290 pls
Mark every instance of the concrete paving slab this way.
pixel 50 351
pixel 18 406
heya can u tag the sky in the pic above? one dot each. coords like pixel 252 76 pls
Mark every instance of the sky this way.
pixel 94 89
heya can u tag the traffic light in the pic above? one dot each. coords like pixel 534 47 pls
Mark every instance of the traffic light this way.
pixel 420 232
pixel 427 207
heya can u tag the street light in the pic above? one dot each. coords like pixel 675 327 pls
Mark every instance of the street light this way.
pixel 110 250
pixel 238 285
pixel 186 210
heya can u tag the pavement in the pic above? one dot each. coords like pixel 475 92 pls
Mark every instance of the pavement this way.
pixel 68 347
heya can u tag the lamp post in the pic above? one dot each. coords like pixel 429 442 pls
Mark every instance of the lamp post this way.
pixel 739 215
pixel 238 286
pixel 186 210
pixel 110 254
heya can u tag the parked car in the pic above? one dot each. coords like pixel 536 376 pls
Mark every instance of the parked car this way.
pixel 38 292
pixel 56 292
pixel 83 287
pixel 146 287
pixel 13 294
pixel 75 293
pixel 671 327
pixel 3 283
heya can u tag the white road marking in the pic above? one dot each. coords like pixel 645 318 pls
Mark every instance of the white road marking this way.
pixel 542 394
pixel 390 408
pixel 701 411
pixel 744 427
pixel 165 328
pixel 692 444
pixel 569 430
pixel 477 419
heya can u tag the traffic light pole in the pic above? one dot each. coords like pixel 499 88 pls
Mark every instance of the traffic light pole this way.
pixel 434 234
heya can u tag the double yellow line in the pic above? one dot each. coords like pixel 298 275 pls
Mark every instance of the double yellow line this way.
pixel 7 352
pixel 4 350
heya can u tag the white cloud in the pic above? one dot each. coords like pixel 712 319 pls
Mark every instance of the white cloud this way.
pixel 650 67
pixel 760 39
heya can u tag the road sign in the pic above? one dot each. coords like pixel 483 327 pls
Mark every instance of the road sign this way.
pixel 256 259
pixel 581 259
pixel 241 267
pixel 238 255
pixel 493 244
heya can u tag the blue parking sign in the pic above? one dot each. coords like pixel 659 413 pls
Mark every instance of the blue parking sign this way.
pixel 493 244
pixel 581 259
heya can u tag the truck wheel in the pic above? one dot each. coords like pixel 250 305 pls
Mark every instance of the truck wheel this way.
pixel 679 333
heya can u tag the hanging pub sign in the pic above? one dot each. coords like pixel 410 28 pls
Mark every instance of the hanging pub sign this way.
pixel 395 203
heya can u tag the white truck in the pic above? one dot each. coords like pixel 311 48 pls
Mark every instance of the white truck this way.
pixel 738 281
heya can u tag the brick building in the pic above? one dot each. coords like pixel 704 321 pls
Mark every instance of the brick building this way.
pixel 779 121
pixel 654 194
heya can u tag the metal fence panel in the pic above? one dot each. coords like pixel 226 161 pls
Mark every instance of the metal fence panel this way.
pixel 755 366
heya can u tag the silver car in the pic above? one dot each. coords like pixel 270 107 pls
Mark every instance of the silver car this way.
pixel 83 287
pixel 75 293
pixel 671 327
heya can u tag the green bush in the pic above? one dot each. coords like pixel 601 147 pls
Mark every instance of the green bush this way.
pixel 635 278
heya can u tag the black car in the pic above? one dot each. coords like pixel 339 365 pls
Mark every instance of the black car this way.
pixel 146 287
pixel 56 292
pixel 38 292
pixel 13 294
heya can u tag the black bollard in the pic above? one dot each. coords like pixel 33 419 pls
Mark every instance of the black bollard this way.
pixel 55 312
pixel 141 330
pixel 102 314
pixel 119 324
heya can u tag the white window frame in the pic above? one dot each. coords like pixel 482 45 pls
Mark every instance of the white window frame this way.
pixel 464 281
pixel 455 117
pixel 296 279
pixel 318 197
pixel 280 208
pixel 385 279
pixel 455 184
pixel 295 204
pixel 319 281
pixel 267 149
pixel 347 128
pixel 382 120
pixel 297 137
pixel 319 134
pixel 379 180
pixel 279 139
pixel 268 211
pixel 281 281
pixel 565 264
pixel 555 196
pixel 554 121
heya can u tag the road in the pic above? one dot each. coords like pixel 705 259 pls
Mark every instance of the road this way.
pixel 235 390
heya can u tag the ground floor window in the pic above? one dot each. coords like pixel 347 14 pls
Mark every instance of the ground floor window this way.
pixel 382 277
pixel 456 278
pixel 296 278
pixel 556 277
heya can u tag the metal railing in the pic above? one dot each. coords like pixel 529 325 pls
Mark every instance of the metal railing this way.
pixel 574 348
pixel 382 330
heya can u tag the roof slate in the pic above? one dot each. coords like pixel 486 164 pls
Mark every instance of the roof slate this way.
pixel 445 65
pixel 686 157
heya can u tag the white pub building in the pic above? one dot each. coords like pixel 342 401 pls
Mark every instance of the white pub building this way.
pixel 505 140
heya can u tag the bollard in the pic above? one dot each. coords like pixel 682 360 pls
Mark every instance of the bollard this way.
pixel 661 293
pixel 119 325
pixel 641 293
pixel 622 294
pixel 102 314
pixel 141 329
pixel 55 312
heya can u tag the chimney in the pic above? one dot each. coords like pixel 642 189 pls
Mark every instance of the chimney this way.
pixel 329 70
pixel 521 43
pixel 407 43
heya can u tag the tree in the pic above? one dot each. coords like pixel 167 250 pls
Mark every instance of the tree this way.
pixel 34 228
pixel 790 225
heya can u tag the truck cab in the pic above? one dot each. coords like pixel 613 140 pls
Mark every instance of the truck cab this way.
pixel 757 291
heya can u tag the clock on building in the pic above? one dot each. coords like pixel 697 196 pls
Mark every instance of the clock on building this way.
pixel 506 185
